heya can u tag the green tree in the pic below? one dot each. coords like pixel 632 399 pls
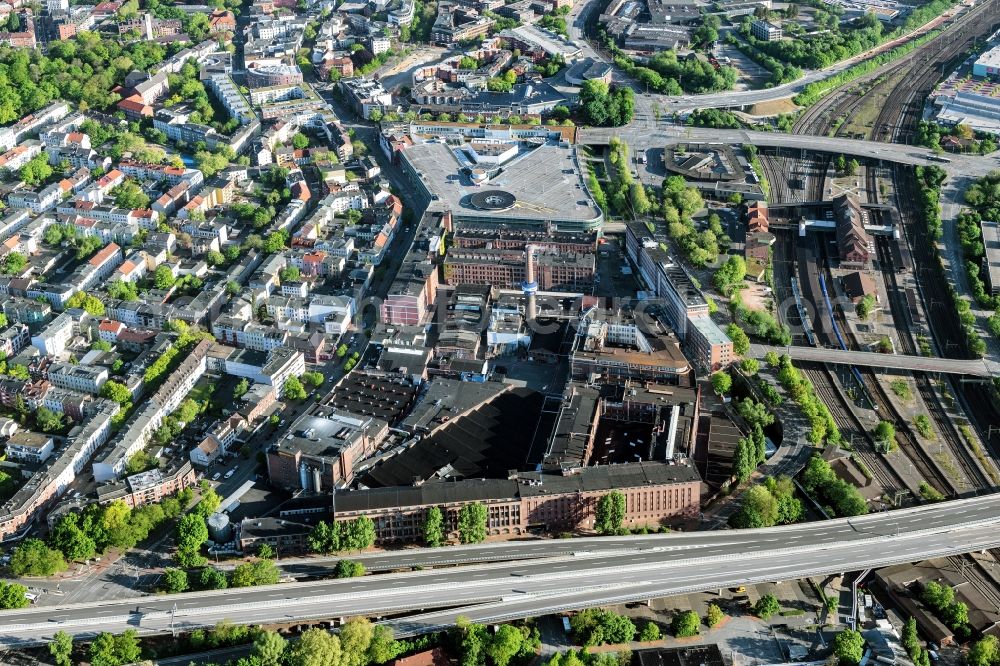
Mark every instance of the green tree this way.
pixel 138 462
pixel 241 388
pixel 314 379
pixel 650 632
pixel 744 459
pixel 269 648
pixel 741 343
pixel 358 534
pixel 885 433
pixel 61 648
pixel 130 195
pixel 192 532
pixel 759 509
pixel 325 537
pixel 14 262
pixel 33 558
pixel 865 306
pixel 163 277
pixel 72 541
pixel 766 606
pixel 609 516
pixel 12 595
pixel 472 523
pixel 266 552
pixel 125 291
pixel 384 646
pixel 251 574
pixel 685 624
pixel 434 527
pixel 300 141
pixel 910 639
pixel 48 420
pixel 504 645
pixel 211 578
pixel 349 569
pixel 848 647
pixel 721 383
pixel 755 413
pixel 37 170
pixel 730 274
pixel 984 652
pixel 355 639
pixel 174 580
pixel 110 650
pixel 316 647
pixel 714 615
pixel 594 626
pixel 293 389
pixel 750 366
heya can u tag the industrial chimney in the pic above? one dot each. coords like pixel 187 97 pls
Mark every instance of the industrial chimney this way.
pixel 529 286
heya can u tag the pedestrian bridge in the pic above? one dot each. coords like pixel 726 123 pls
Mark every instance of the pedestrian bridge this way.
pixel 973 367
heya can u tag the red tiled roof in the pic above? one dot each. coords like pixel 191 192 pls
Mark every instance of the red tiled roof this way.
pixel 104 254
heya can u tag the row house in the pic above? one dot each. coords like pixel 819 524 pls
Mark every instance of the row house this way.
pixel 109 330
pixel 51 481
pixel 109 232
pixel 26 310
pixel 18 156
pixel 52 340
pixel 56 139
pixel 77 377
pixel 55 294
pixel 172 199
pixel 102 186
pixel 287 308
pixel 32 123
pixel 111 463
pixel 70 403
pixel 206 236
pixel 30 447
pixel 103 263
pixel 14 339
pixel 145 218
pixel 42 200
pixel 150 486
pixel 134 268
pixel 172 175
pixel 79 157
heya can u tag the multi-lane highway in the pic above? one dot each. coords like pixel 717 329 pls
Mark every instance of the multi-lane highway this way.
pixel 570 574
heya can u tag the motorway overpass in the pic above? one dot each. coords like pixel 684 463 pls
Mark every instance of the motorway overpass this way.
pixel 641 138
pixel 973 367
pixel 596 572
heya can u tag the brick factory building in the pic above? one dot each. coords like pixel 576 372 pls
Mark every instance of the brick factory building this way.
pixel 656 493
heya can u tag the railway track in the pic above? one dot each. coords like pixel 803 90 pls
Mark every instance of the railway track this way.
pixel 825 384
pixel 905 439
pixel 913 70
pixel 912 78
pixel 932 401
pixel 851 428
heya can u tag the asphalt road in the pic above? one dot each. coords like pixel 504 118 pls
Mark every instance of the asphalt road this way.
pixel 642 138
pixel 596 573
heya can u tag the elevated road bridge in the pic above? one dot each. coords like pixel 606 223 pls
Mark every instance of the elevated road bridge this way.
pixel 596 572
pixel 641 138
pixel 973 367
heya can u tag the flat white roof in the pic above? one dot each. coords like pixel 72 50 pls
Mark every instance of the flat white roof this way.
pixel 990 59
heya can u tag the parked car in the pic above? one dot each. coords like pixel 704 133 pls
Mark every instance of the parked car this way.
pixel 230 472
pixel 215 477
